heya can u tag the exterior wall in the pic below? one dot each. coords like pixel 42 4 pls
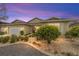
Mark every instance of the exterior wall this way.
pixel 35 21
pixel 20 28
pixel 28 29
pixel 4 29
pixel 24 28
pixel 63 27
pixel 55 24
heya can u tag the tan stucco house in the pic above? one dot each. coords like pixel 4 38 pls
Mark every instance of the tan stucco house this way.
pixel 28 27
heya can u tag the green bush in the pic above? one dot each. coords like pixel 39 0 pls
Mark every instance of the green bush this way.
pixel 2 33
pixel 1 38
pixel 13 39
pixel 5 39
pixel 73 32
pixel 68 35
pixel 47 32
pixel 25 38
pixel 17 39
pixel 22 32
pixel 31 35
pixel 21 38
pixel 27 33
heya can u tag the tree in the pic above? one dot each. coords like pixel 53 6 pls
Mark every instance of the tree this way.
pixel 73 32
pixel 2 13
pixel 48 33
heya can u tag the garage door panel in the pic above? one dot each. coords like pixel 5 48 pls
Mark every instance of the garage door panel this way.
pixel 14 31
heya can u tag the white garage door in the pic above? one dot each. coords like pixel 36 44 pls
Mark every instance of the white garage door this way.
pixel 15 31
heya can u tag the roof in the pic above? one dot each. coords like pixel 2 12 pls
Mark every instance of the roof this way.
pixel 54 18
pixel 15 22
pixel 3 22
pixel 38 21
pixel 19 21
pixel 74 24
pixel 51 20
pixel 35 20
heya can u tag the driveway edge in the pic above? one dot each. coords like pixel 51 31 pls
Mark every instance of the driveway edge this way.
pixel 48 54
pixel 38 49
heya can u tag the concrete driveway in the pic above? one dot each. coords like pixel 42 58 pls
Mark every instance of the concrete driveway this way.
pixel 19 50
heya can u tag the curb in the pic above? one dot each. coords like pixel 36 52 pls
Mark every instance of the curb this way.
pixel 3 45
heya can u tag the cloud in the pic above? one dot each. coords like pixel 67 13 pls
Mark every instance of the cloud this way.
pixel 38 12
pixel 16 10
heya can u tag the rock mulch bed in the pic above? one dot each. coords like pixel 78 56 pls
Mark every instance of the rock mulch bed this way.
pixel 59 47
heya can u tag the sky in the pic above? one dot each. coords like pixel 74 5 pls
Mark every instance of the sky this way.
pixel 28 11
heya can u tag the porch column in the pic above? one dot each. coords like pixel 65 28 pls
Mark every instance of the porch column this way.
pixel 63 28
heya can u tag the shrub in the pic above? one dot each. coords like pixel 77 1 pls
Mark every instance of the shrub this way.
pixel 47 32
pixel 25 38
pixel 5 39
pixel 17 39
pixel 68 35
pixel 27 33
pixel 2 33
pixel 22 32
pixel 13 38
pixel 73 32
pixel 1 38
pixel 69 54
pixel 31 35
pixel 55 52
pixel 63 53
pixel 21 38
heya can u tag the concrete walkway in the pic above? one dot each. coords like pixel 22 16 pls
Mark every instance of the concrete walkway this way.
pixel 19 49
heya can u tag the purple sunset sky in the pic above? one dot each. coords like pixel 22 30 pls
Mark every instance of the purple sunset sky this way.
pixel 28 11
